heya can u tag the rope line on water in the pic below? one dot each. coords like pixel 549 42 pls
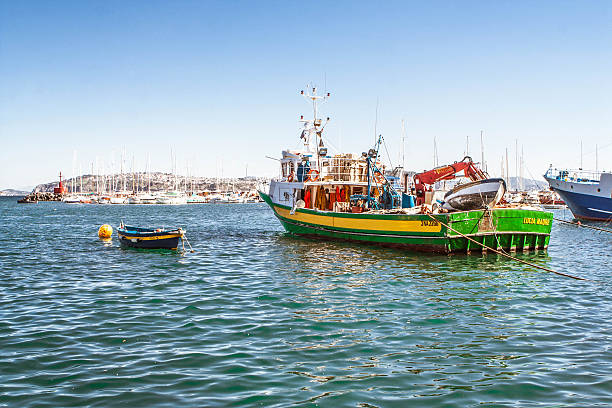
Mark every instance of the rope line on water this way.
pixel 585 226
pixel 186 240
pixel 504 254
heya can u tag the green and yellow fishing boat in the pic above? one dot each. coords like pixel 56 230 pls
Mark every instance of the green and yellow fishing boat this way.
pixel 354 198
pixel 509 229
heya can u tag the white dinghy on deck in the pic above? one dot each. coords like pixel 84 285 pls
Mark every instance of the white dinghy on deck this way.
pixel 475 195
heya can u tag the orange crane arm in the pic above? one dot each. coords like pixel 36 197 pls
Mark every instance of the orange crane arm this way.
pixel 448 172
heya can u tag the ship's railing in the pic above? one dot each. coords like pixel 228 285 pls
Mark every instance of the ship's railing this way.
pixel 347 168
pixel 573 175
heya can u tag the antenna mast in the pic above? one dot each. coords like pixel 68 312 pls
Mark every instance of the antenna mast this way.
pixel 314 126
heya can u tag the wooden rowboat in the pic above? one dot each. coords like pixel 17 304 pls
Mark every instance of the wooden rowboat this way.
pixel 475 195
pixel 149 238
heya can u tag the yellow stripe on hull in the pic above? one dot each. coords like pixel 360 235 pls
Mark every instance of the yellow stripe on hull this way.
pixel 151 238
pixel 370 224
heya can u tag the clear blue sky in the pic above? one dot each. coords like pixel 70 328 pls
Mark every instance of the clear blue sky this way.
pixel 218 81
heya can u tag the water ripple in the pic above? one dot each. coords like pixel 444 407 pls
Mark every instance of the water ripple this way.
pixel 258 318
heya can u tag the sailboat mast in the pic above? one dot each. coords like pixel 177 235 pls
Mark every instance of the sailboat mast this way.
pixel 132 171
pixel 149 173
pixel 522 168
pixel 516 172
pixel 97 176
pixel 507 170
pixel 482 158
pixel 435 153
pixel 122 176
pixel 73 169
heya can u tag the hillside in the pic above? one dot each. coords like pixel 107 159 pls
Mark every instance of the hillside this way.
pixel 9 192
pixel 158 182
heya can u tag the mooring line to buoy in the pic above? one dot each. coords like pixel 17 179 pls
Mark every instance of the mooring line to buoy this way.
pixel 506 255
pixel 186 240
pixel 585 226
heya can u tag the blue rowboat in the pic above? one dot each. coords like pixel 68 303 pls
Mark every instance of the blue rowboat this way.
pixel 149 238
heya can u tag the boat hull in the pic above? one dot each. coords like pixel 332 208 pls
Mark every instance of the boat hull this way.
pixel 587 201
pixel 508 229
pixel 149 240
pixel 475 195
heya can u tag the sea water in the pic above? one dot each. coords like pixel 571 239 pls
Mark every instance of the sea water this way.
pixel 256 317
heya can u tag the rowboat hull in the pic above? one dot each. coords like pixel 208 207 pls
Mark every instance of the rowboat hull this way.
pixel 149 240
pixel 475 195
pixel 510 229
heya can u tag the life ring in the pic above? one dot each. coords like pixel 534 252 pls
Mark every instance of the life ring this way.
pixel 379 178
pixel 290 177
pixel 313 175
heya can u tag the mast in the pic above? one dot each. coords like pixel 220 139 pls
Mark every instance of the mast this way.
pixel 97 176
pixel 482 158
pixel 149 173
pixel 507 170
pixel 516 172
pixel 132 171
pixel 316 126
pixel 122 176
pixel 581 154
pixel 73 170
pixel 596 159
pixel 522 167
pixel 435 158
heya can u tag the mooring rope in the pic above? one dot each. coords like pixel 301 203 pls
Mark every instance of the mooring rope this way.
pixel 504 254
pixel 186 240
pixel 585 226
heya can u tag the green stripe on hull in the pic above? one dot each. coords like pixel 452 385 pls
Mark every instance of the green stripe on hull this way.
pixel 507 229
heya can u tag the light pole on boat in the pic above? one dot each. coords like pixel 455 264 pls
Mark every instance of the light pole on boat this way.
pixel 317 126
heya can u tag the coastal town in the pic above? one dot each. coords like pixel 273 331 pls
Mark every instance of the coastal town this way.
pixel 168 188
pixel 146 188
